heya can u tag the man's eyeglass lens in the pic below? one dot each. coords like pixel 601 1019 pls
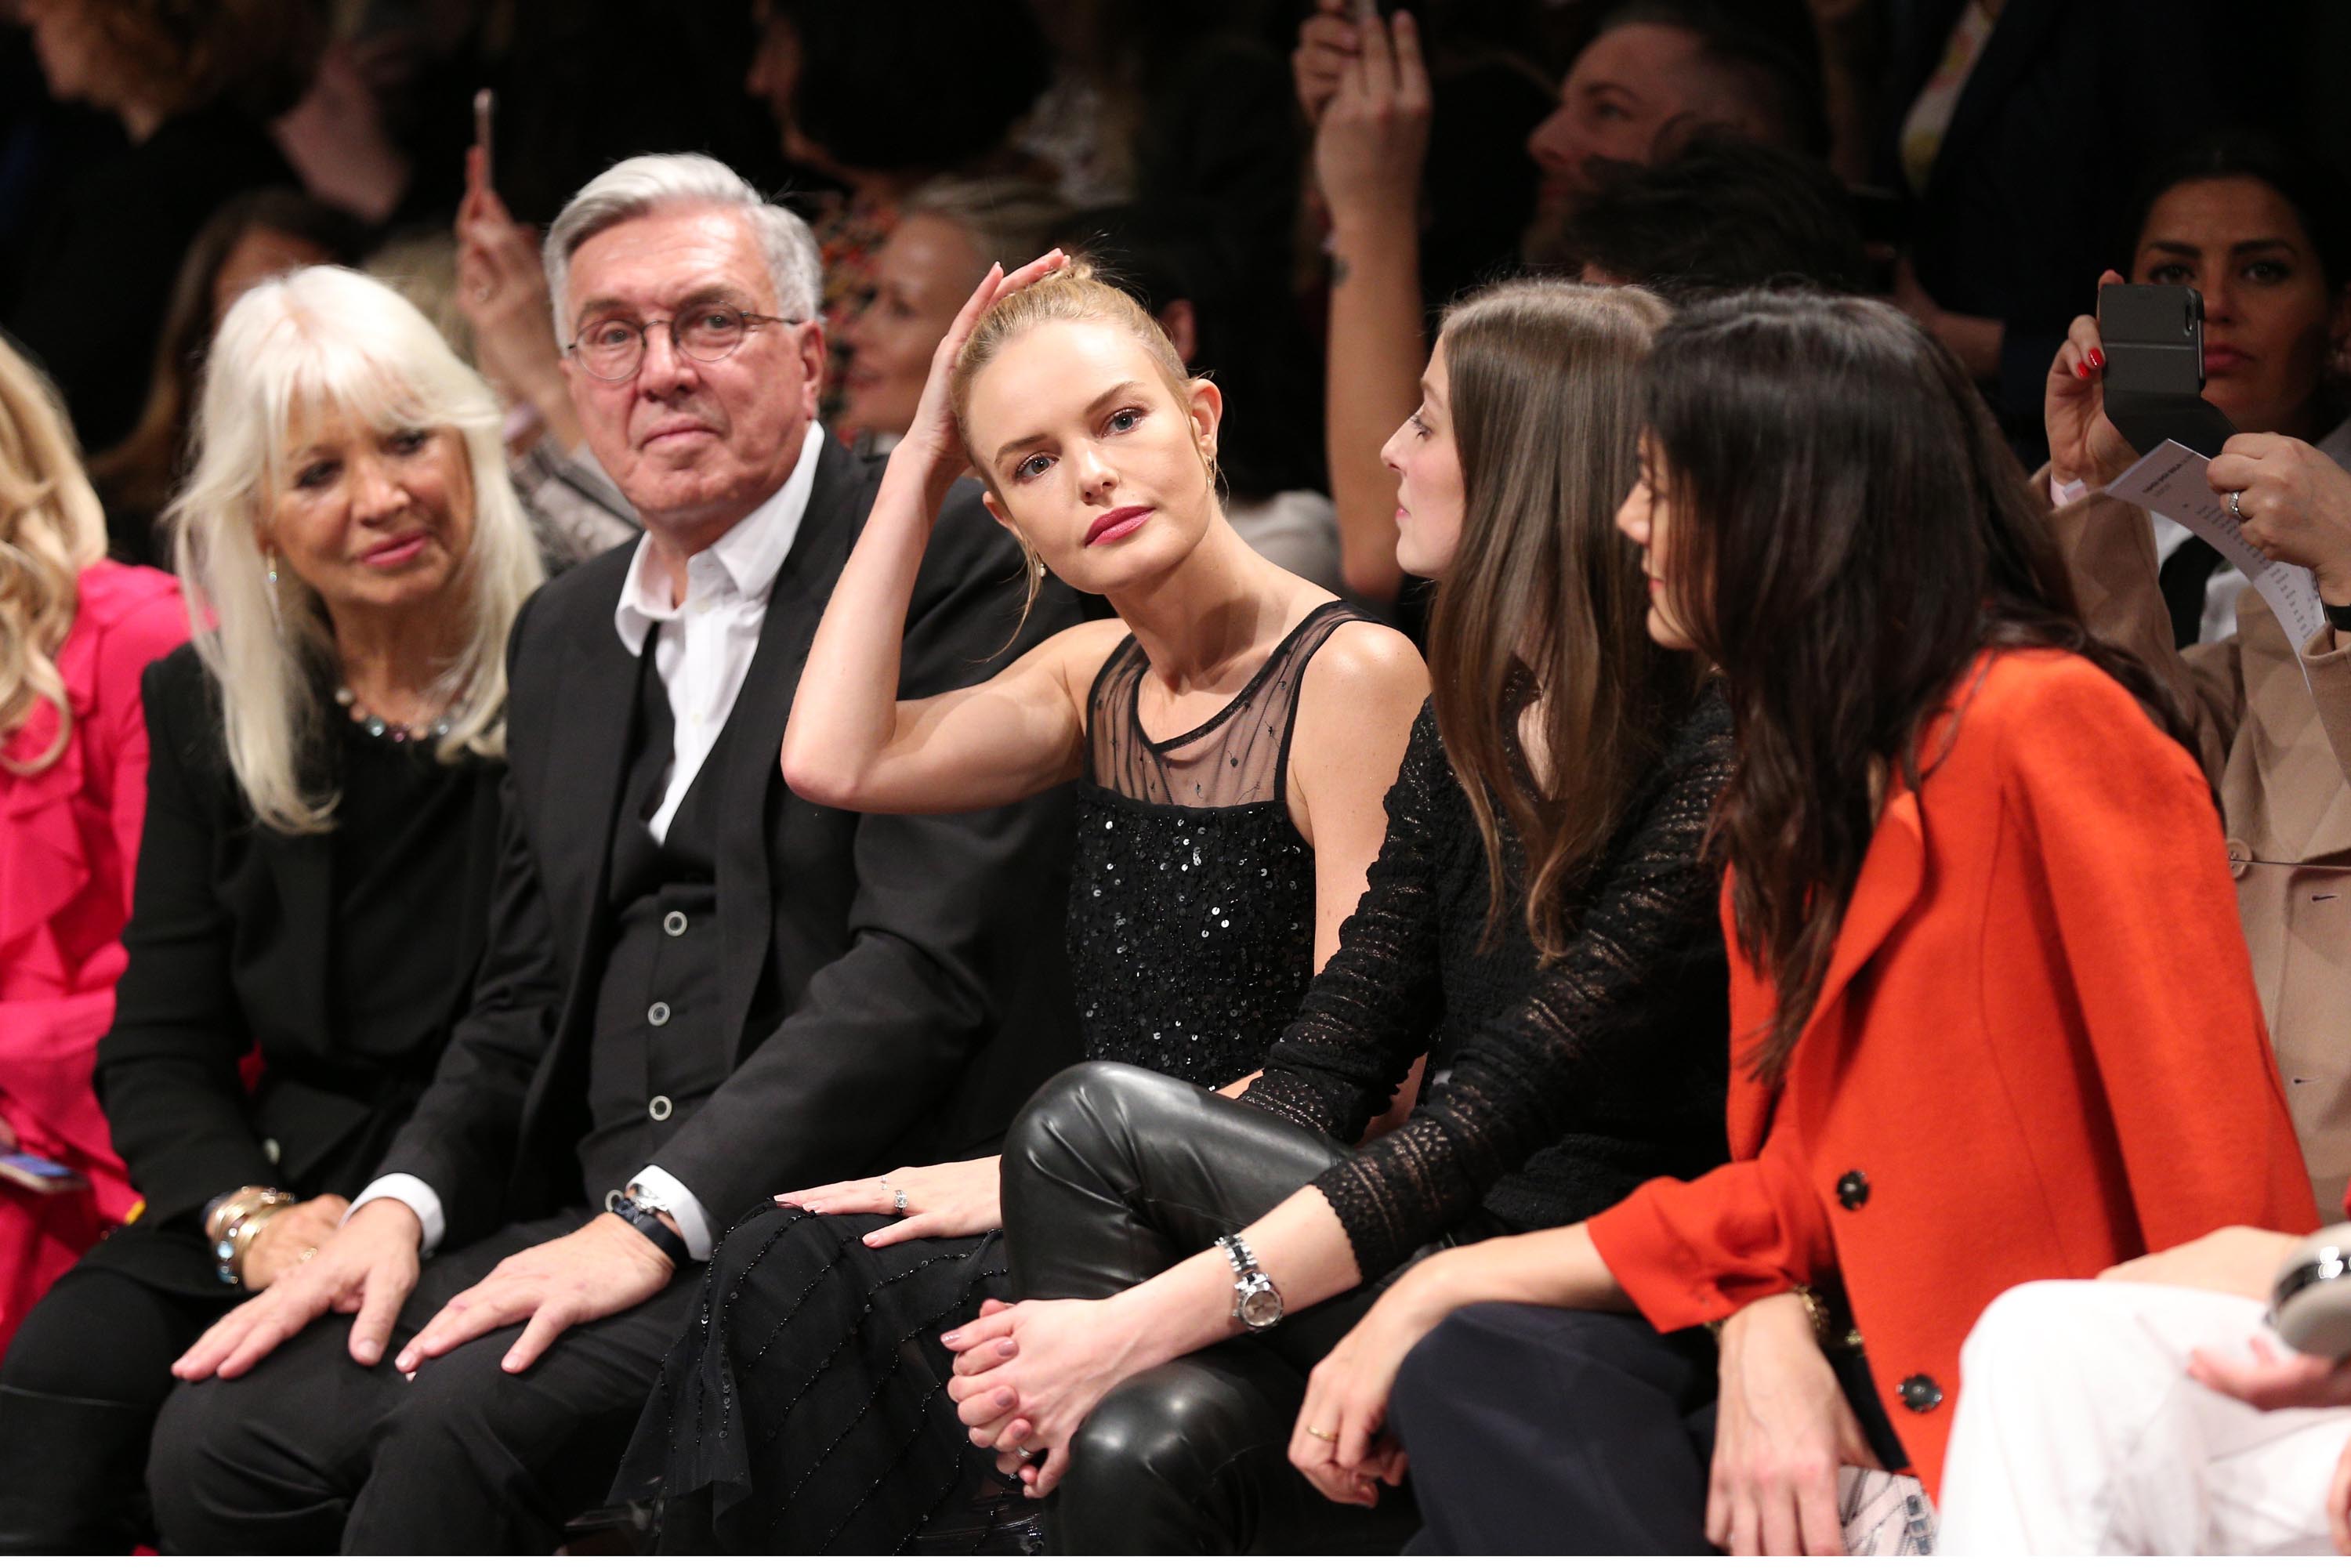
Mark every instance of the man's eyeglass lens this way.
pixel 614 346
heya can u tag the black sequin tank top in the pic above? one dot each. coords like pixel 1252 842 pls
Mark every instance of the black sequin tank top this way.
pixel 1192 897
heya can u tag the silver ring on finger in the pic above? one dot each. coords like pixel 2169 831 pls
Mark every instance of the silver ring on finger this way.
pixel 1024 1453
pixel 898 1199
pixel 2236 507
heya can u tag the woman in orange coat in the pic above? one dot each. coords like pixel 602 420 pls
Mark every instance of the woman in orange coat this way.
pixel 1992 1018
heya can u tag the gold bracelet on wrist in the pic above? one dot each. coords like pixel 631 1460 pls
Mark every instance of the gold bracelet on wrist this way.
pixel 234 1223
pixel 1816 1312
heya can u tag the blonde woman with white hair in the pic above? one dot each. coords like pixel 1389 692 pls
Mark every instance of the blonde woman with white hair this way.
pixel 75 630
pixel 313 884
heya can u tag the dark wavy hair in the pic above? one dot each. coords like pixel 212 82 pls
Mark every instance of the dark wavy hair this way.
pixel 1544 595
pixel 1848 531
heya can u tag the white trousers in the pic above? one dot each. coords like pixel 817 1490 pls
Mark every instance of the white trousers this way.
pixel 2079 1431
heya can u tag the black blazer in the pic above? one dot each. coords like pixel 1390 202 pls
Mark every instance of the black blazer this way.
pixel 917 961
pixel 230 937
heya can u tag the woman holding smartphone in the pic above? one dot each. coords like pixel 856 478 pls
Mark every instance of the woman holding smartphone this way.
pixel 2263 236
pixel 1990 1018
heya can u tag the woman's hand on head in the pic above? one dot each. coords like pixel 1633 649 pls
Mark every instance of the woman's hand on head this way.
pixel 2295 502
pixel 957 1199
pixel 1782 1430
pixel 2084 444
pixel 932 440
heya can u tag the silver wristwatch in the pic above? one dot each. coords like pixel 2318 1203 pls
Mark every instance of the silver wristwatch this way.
pixel 1256 1303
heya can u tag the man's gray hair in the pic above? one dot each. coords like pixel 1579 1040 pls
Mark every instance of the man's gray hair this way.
pixel 635 186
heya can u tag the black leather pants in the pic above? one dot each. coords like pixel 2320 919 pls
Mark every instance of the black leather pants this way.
pixel 1111 1174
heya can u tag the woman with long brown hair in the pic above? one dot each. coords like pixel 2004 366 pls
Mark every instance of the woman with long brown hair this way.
pixel 76 631
pixel 1991 1018
pixel 1538 922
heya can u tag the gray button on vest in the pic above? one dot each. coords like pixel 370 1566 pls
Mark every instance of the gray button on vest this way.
pixel 659 1108
pixel 657 1014
pixel 674 923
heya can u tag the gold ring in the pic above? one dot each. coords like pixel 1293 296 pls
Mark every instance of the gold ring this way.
pixel 1319 1432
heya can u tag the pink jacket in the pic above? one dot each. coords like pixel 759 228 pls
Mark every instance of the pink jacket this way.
pixel 68 854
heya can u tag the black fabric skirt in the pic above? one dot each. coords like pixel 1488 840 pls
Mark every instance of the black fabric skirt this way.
pixel 805 1408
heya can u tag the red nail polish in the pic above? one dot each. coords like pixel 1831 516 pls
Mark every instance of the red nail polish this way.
pixel 2097 359
pixel 2081 372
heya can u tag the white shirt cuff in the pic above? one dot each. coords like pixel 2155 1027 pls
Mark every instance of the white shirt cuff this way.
pixel 667 1193
pixel 411 1191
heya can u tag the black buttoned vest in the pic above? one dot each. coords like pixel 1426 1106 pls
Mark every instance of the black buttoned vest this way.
pixel 659 1049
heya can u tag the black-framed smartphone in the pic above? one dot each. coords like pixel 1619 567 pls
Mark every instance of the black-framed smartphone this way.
pixel 2153 338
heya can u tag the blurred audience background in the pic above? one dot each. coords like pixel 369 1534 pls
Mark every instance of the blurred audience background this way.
pixel 1293 186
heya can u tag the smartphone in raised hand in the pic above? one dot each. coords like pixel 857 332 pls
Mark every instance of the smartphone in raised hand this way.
pixel 2153 335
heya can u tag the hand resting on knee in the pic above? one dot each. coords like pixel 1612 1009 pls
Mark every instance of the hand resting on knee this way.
pixel 367 1267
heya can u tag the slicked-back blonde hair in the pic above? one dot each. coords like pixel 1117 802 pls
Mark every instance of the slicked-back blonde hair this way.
pixel 51 527
pixel 1075 293
pixel 291 348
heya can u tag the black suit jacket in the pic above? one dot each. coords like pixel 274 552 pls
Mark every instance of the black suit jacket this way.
pixel 917 961
pixel 230 941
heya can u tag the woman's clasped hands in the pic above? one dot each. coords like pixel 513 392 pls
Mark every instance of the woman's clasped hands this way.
pixel 1028 1374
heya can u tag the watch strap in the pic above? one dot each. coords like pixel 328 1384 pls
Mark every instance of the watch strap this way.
pixel 648 1223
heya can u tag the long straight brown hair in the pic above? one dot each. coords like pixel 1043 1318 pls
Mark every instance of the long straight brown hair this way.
pixel 1848 532
pixel 1544 597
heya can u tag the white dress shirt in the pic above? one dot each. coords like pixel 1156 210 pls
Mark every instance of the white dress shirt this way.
pixel 704 651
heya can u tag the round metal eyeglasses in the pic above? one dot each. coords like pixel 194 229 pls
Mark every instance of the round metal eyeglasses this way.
pixel 612 347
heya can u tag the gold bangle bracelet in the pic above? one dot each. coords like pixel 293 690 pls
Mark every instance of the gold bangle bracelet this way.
pixel 1816 1312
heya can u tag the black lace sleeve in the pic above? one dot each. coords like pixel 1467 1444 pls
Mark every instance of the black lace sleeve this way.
pixel 1536 1068
pixel 1372 1010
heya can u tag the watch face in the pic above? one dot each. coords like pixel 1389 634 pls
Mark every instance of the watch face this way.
pixel 1262 1307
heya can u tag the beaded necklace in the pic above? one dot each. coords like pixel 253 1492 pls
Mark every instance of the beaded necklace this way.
pixel 376 725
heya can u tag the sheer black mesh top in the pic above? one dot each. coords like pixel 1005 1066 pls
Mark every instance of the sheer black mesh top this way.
pixel 1192 896
pixel 1554 1089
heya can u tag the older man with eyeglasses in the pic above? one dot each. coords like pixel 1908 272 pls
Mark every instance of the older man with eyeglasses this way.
pixel 699 989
